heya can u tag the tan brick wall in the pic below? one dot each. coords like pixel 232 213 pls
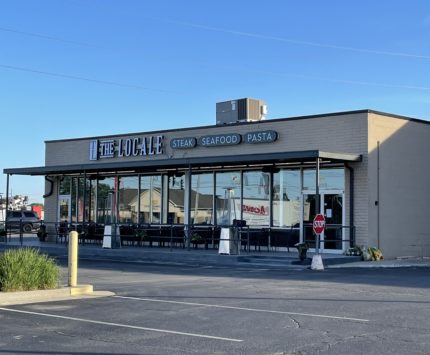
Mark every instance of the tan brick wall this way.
pixel 404 186
pixel 403 170
pixel 51 208
pixel 340 133
pixel 331 133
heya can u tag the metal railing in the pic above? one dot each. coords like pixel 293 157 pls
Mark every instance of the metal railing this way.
pixel 343 234
pixel 17 229
pixel 198 236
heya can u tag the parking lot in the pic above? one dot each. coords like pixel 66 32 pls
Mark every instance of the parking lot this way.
pixel 194 309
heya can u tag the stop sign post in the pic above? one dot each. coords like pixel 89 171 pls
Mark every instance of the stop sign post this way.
pixel 318 226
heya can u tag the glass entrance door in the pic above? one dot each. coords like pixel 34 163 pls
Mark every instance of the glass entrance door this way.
pixel 308 210
pixel 331 205
pixel 64 208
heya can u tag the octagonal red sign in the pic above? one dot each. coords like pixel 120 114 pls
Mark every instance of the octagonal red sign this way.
pixel 319 223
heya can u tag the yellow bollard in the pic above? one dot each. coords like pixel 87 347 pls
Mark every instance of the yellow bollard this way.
pixel 73 259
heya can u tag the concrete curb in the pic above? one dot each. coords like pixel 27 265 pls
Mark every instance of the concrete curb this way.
pixel 386 264
pixel 203 257
pixel 58 294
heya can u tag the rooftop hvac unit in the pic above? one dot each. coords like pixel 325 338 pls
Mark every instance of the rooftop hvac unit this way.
pixel 242 110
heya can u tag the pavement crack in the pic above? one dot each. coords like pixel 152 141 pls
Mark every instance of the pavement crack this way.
pixel 327 346
pixel 330 345
pixel 88 338
pixel 297 325
pixel 107 341
pixel 65 334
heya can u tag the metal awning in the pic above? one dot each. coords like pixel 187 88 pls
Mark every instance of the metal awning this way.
pixel 148 165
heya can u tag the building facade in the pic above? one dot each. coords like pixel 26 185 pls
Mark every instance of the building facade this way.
pixel 365 170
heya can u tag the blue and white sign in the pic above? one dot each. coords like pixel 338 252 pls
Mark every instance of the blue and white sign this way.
pixel 217 140
pixel 106 149
pixel 183 143
pixel 126 147
pixel 260 137
pixel 220 140
pixel 94 149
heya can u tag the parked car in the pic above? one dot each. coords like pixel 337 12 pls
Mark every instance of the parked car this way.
pixel 27 220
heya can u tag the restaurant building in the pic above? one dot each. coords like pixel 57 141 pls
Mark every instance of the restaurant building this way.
pixel 366 171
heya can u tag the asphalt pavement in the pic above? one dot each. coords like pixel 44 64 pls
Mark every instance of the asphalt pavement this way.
pixel 162 308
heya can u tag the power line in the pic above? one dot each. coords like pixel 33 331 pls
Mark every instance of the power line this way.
pixel 74 77
pixel 319 78
pixel 298 76
pixel 240 33
pixel 234 32
pixel 295 41
pixel 38 35
pixel 354 82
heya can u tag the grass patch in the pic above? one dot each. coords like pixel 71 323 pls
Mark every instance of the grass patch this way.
pixel 27 269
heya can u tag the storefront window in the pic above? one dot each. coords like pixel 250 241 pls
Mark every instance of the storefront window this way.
pixel 286 198
pixel 128 199
pixel 227 197
pixel 176 193
pixel 74 188
pixel 202 198
pixel 83 194
pixel 105 200
pixel 256 198
pixel 330 179
pixel 65 187
pixel 90 202
pixel 150 199
pixel 80 199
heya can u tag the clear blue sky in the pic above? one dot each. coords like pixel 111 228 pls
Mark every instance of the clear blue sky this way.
pixel 75 68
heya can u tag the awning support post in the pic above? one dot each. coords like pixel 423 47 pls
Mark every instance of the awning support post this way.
pixel 187 208
pixel 7 203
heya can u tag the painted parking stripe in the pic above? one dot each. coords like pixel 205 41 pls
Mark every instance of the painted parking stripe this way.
pixel 244 309
pixel 121 325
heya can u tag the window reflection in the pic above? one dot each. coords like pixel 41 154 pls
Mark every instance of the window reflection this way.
pixel 83 189
pixel 74 190
pixel 202 198
pixel 256 202
pixel 330 179
pixel 176 195
pixel 227 197
pixel 65 184
pixel 256 210
pixel 105 200
pixel 286 198
pixel 80 200
pixel 150 199
pixel 90 203
pixel 128 199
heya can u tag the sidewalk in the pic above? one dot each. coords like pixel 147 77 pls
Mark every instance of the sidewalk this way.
pixel 396 263
pixel 167 255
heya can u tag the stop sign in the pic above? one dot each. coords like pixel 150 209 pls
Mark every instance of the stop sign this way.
pixel 319 223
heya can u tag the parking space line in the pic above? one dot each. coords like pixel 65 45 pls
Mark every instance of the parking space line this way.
pixel 120 325
pixel 244 308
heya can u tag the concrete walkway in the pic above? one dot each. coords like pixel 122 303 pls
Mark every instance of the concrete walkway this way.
pixel 275 258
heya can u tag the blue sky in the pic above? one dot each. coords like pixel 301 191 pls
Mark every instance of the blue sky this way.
pixel 76 68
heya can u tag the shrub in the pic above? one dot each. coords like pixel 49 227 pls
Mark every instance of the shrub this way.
pixel 27 269
pixel 196 238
